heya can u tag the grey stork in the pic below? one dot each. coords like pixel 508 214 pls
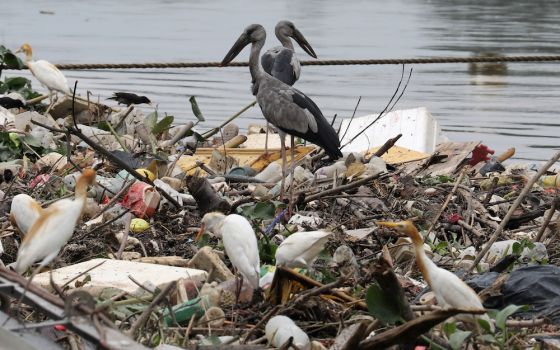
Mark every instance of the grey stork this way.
pixel 285 107
pixel 281 61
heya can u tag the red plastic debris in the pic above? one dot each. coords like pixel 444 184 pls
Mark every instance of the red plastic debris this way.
pixel 40 180
pixel 142 199
pixel 454 218
pixel 60 327
pixel 105 200
pixel 480 153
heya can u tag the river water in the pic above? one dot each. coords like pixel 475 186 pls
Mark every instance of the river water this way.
pixel 511 105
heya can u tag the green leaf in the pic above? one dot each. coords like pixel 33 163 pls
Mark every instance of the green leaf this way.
pixel 196 111
pixel 11 61
pixel 15 139
pixel 103 125
pixel 457 339
pixel 516 249
pixel 267 250
pixel 163 124
pixel 484 325
pixel 382 305
pixel 502 316
pixel 16 83
pixel 441 248
pixel 150 120
pixel 261 210
pixel 449 328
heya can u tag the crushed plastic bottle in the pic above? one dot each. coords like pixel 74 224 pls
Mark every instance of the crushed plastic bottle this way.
pixel 551 181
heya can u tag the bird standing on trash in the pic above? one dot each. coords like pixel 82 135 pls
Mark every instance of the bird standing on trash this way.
pixel 24 211
pixel 285 107
pixel 301 248
pixel 240 242
pixel 54 227
pixel 46 73
pixel 450 290
pixel 281 61
pixel 128 98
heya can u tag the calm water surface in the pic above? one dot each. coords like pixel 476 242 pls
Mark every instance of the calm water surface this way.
pixel 516 107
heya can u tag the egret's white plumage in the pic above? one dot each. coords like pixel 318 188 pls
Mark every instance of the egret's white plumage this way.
pixel 240 242
pixel 46 73
pixel 54 227
pixel 279 329
pixel 450 290
pixel 24 211
pixel 301 248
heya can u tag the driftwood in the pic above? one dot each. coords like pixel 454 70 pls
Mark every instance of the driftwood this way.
pixel 206 197
pixel 411 330
pixel 387 146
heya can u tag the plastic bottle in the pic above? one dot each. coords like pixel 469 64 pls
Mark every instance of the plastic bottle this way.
pixel 552 181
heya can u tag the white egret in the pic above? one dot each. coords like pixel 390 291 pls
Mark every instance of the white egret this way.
pixel 240 242
pixel 54 227
pixel 24 212
pixel 45 72
pixel 301 248
pixel 450 290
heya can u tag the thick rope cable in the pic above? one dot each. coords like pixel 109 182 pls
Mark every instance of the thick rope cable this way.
pixel 429 60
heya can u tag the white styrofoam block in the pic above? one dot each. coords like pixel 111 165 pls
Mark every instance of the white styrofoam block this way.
pixel 114 273
pixel 421 132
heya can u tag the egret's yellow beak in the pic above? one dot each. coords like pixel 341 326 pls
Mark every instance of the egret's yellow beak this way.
pixel 18 50
pixel 386 224
pixel 200 232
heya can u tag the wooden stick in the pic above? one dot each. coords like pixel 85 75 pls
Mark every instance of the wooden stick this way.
pixel 339 189
pixel 387 146
pixel 514 206
pixel 213 131
pixel 469 228
pixel 546 222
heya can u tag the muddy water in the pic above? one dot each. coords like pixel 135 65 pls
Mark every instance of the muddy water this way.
pixel 508 105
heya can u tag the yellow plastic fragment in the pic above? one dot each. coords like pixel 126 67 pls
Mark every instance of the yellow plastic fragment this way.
pixel 139 225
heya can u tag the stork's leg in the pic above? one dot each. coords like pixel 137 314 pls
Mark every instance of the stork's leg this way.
pixel 283 151
pixel 266 140
pixel 292 169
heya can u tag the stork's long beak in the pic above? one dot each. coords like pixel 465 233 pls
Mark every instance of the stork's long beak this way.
pixel 18 50
pixel 200 232
pixel 241 42
pixel 300 39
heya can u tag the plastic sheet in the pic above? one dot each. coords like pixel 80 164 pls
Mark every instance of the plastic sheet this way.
pixel 536 286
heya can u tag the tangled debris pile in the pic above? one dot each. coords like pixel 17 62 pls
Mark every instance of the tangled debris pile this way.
pixel 133 262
